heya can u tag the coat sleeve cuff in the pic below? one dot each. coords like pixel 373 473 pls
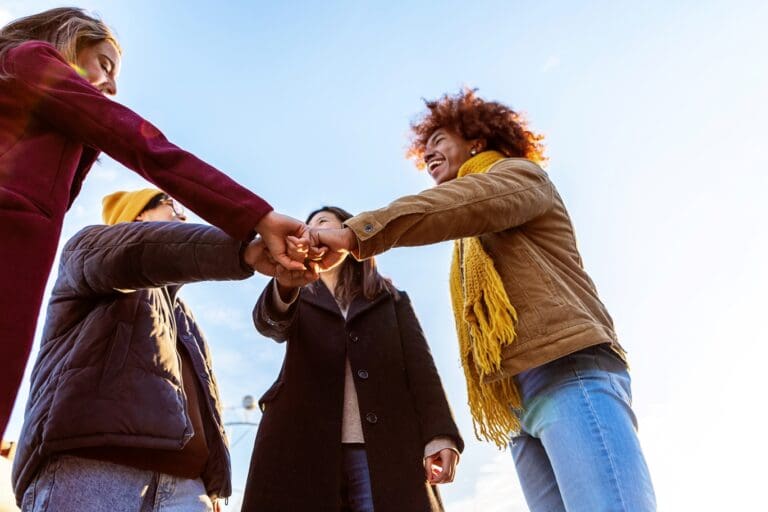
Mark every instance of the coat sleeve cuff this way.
pixel 366 227
pixel 278 303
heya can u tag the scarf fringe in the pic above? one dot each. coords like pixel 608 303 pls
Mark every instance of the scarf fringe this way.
pixel 492 405
pixel 485 323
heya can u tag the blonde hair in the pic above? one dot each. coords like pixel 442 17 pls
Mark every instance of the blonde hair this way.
pixel 68 29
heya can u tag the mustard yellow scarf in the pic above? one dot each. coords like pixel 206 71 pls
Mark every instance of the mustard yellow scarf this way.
pixel 485 324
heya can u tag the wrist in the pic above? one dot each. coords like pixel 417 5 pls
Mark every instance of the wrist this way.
pixel 350 240
pixel 287 293
pixel 250 253
pixel 264 222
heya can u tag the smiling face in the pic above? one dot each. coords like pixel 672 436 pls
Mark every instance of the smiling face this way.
pixel 325 220
pixel 445 152
pixel 99 63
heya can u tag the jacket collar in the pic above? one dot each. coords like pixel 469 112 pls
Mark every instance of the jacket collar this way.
pixel 320 296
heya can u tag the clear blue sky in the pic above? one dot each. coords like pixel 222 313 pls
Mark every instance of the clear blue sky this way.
pixel 654 114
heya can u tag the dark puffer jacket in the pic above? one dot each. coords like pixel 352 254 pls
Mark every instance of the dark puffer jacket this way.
pixel 108 369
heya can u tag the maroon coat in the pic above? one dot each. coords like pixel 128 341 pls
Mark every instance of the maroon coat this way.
pixel 53 124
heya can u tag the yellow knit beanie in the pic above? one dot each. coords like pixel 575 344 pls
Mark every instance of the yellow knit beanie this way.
pixel 126 206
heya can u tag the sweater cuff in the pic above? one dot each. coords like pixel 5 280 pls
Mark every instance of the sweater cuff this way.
pixel 278 303
pixel 440 443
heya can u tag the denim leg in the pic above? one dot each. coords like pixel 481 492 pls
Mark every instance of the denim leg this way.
pixel 73 484
pixel 176 494
pixel 357 479
pixel 579 407
pixel 536 476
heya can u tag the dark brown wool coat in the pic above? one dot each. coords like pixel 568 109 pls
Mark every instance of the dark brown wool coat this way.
pixel 297 455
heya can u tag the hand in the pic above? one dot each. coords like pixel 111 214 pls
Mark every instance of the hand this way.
pixel 216 505
pixel 274 228
pixel 289 280
pixel 258 257
pixel 329 247
pixel 7 449
pixel 440 467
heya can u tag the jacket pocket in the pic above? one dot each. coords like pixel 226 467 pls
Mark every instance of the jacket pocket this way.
pixel 117 354
pixel 13 201
pixel 270 394
pixel 532 292
pixel 538 283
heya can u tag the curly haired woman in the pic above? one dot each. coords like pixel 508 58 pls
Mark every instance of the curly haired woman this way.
pixel 540 355
pixel 56 68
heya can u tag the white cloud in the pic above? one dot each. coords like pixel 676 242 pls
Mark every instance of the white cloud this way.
pixel 497 489
pixel 5 16
pixel 106 173
pixel 233 318
pixel 551 63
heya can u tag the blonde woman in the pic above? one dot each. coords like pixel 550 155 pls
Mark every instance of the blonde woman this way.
pixel 56 69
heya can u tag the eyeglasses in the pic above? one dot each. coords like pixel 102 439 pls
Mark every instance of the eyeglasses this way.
pixel 178 210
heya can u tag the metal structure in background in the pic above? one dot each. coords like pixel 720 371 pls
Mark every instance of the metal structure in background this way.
pixel 246 407
pixel 244 411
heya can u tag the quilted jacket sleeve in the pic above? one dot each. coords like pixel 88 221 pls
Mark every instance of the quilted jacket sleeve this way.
pixel 136 255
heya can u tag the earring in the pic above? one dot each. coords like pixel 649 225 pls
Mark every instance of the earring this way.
pixel 473 151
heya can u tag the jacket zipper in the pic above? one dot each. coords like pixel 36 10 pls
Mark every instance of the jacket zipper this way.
pixel 186 341
pixel 175 331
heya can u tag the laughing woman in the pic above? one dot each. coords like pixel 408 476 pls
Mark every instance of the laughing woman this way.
pixel 541 358
pixel 357 420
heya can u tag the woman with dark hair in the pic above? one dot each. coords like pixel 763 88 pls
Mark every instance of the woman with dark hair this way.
pixel 540 355
pixel 357 419
pixel 55 69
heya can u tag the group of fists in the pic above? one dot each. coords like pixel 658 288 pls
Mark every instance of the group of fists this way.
pixel 289 249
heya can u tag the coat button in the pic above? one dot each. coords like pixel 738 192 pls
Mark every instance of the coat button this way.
pixel 371 418
pixel 354 337
pixel 362 374
pixel 368 228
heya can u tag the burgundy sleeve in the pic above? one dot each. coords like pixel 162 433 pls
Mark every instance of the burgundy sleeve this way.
pixel 60 97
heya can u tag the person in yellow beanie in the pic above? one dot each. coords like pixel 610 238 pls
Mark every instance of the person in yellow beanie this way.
pixel 124 408
pixel 128 206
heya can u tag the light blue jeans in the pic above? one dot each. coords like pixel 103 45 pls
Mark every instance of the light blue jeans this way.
pixel 579 451
pixel 74 484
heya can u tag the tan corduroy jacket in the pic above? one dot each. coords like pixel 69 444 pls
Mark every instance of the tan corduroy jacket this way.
pixel 524 227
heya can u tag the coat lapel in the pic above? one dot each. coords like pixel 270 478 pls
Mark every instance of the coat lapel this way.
pixel 360 305
pixel 318 295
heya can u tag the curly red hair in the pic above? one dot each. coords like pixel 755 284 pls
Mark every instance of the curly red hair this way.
pixel 503 129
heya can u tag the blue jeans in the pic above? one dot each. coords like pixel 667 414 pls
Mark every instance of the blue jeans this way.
pixel 356 495
pixel 578 449
pixel 74 484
